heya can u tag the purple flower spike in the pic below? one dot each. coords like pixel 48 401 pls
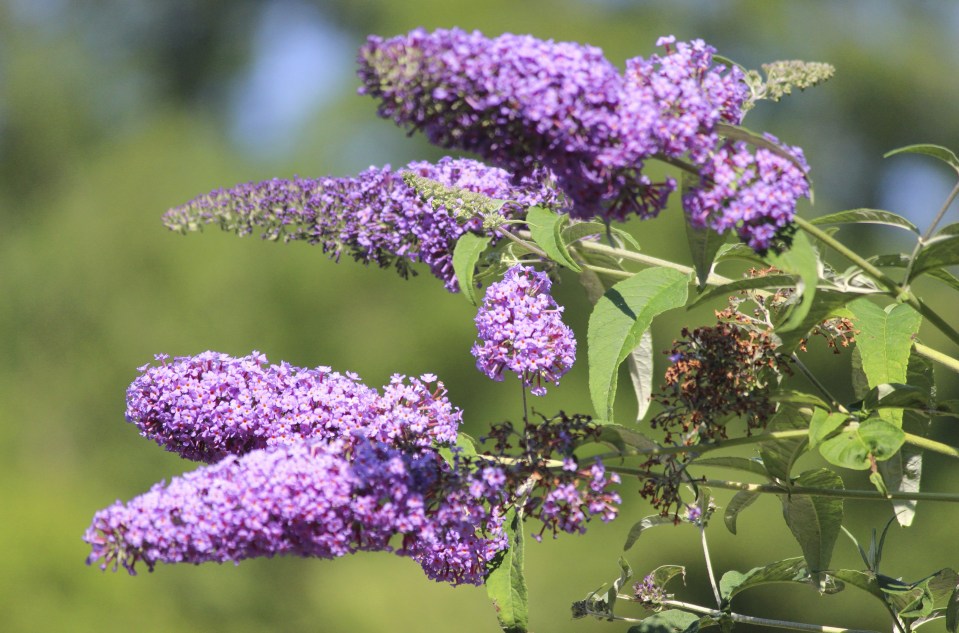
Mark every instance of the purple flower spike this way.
pixel 375 217
pixel 212 405
pixel 305 500
pixel 751 192
pixel 514 100
pixel 521 329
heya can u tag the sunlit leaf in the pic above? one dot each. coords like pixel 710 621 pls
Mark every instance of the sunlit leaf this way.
pixel 936 254
pixel 506 583
pixel 640 363
pixel 885 339
pixel 545 227
pixel 822 424
pixel 618 322
pixel 866 216
pixel 825 305
pixel 944 154
pixel 465 255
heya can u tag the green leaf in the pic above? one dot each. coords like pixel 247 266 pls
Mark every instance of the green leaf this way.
pixel 936 151
pixel 866 216
pixel 577 231
pixel 853 447
pixel 740 501
pixel 618 321
pixel 936 254
pixel 780 455
pixel 801 260
pixel 640 362
pixel 788 570
pixel 952 611
pixel 945 277
pixel 885 339
pixel 465 255
pixel 665 573
pixel 822 424
pixel 738 251
pixel 668 621
pixel 625 573
pixel 949 229
pixel 752 283
pixel 703 243
pixel 644 524
pixel 798 398
pixel 896 396
pixel 623 439
pixel 506 584
pixel 545 226
pixel 744 464
pixel 815 521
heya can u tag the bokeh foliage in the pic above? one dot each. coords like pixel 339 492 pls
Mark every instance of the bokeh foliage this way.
pixel 112 111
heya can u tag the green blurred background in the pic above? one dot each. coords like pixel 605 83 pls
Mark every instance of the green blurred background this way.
pixel 112 111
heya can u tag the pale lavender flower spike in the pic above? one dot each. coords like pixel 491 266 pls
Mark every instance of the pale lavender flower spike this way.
pixel 520 329
pixel 208 406
pixel 374 217
pixel 306 499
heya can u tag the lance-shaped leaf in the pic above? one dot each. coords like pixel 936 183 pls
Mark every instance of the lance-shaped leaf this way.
pixel 546 226
pixel 625 439
pixel 936 254
pixel 740 501
pixel 751 283
pixel 703 243
pixel 579 230
pixel 789 570
pixel 644 524
pixel 668 621
pixel 625 573
pixel 779 455
pixel 944 154
pixel 866 216
pixel 465 255
pixel 640 363
pixel 506 583
pixel 618 321
pixel 822 424
pixel 815 521
pixel 801 260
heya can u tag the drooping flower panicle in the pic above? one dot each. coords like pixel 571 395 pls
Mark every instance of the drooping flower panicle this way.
pixel 212 405
pixel 305 499
pixel 521 329
pixel 753 192
pixel 375 217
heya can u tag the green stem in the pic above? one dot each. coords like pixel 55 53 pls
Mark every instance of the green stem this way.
pixel 705 448
pixel 932 445
pixel 935 222
pixel 869 495
pixel 937 356
pixel 612 272
pixel 748 619
pixel 709 566
pixel 893 288
pixel 818 384
pixel 633 256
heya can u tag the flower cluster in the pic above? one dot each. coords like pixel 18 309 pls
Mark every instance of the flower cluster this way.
pixel 716 372
pixel 514 100
pixel 305 499
pixel 208 406
pixel 564 498
pixel 375 217
pixel 521 329
pixel 753 193
pixel 521 103
pixel 649 593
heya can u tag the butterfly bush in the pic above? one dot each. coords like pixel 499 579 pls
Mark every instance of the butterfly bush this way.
pixel 208 406
pixel 306 499
pixel 375 217
pixel 521 329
